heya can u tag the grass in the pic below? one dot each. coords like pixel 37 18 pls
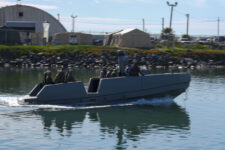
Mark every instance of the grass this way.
pixel 193 51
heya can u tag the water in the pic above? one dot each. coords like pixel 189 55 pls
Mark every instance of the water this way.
pixel 194 120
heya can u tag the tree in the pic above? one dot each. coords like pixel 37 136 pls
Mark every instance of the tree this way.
pixel 167 31
pixel 167 34
pixel 186 36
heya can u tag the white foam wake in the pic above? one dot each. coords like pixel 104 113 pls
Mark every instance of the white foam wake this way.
pixel 153 102
pixel 10 100
pixel 13 101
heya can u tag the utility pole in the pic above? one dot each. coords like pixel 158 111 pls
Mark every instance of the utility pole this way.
pixel 73 22
pixel 171 13
pixel 143 23
pixel 163 20
pixel 188 16
pixel 218 27
pixel 58 15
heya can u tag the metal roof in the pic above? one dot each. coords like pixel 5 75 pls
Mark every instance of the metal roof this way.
pixel 125 31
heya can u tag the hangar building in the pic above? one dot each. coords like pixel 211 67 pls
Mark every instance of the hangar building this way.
pixel 29 20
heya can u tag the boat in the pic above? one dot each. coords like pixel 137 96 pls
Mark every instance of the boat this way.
pixel 106 91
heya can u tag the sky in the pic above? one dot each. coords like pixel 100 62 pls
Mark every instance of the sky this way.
pixel 99 16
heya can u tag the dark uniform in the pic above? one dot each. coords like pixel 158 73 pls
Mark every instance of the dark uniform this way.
pixel 135 71
pixel 109 74
pixel 60 77
pixel 103 73
pixel 114 73
pixel 47 78
pixel 128 70
pixel 69 77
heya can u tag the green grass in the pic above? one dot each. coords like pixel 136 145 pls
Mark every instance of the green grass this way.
pixel 178 51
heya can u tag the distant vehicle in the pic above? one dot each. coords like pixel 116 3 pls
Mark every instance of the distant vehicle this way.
pixel 185 40
pixel 98 42
pixel 203 40
pixel 218 39
pixel 163 41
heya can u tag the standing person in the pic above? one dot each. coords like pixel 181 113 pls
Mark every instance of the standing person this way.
pixel 122 61
pixel 69 77
pixel 60 76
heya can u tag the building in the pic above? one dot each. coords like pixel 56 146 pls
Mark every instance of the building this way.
pixel 130 38
pixel 72 38
pixel 26 20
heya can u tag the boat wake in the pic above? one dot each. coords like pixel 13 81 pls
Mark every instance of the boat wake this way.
pixel 10 100
pixel 153 102
pixel 13 101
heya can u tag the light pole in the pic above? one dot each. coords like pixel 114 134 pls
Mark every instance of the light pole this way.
pixel 171 13
pixel 143 24
pixel 218 27
pixel 73 22
pixel 187 15
pixel 163 20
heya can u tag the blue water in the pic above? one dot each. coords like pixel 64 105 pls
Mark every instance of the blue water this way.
pixel 194 120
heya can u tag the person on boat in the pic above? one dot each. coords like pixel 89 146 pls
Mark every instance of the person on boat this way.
pixel 122 61
pixel 103 73
pixel 60 76
pixel 47 78
pixel 135 70
pixel 109 74
pixel 128 68
pixel 114 73
pixel 69 77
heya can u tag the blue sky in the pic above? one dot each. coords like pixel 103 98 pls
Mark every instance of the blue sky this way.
pixel 111 15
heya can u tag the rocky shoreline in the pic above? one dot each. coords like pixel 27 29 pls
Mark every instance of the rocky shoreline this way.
pixel 77 60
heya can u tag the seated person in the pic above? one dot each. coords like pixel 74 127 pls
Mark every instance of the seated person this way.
pixel 135 70
pixel 69 77
pixel 128 68
pixel 109 74
pixel 114 73
pixel 103 73
pixel 47 78
pixel 60 76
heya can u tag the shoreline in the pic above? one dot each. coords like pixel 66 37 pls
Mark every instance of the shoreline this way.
pixel 97 56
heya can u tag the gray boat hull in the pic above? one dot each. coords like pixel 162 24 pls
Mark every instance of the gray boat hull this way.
pixel 111 90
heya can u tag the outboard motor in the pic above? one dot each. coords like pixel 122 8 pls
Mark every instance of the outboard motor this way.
pixel 122 61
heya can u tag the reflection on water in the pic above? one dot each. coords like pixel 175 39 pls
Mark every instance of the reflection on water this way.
pixel 125 123
pixel 134 120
